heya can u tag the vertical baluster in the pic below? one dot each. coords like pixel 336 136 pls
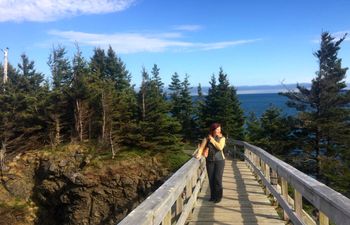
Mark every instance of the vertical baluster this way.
pixel 274 182
pixel 298 203
pixel 323 219
pixel 267 175
pixel 189 192
pixel 284 188
pixel 179 205
pixel 167 218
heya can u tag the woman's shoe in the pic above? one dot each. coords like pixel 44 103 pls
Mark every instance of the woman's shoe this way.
pixel 217 200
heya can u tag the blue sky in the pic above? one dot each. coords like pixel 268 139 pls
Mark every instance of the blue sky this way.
pixel 255 42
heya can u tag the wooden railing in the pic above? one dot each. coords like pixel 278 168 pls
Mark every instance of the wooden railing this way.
pixel 278 176
pixel 173 202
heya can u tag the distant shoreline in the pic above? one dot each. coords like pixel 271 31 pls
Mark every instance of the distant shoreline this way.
pixel 261 89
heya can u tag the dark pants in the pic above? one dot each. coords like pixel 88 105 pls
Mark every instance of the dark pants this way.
pixel 215 171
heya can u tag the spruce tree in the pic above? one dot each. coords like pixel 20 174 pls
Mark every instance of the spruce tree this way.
pixel 187 111
pixel 222 105
pixel 60 110
pixel 80 94
pixel 158 129
pixel 175 91
pixel 273 132
pixel 22 101
pixel 323 109
pixel 200 125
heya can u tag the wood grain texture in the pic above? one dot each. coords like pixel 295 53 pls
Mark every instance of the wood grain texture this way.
pixel 244 201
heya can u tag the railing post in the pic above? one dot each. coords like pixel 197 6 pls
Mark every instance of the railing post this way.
pixel 298 203
pixel 323 219
pixel 267 175
pixel 167 218
pixel 284 188
pixel 179 205
pixel 274 182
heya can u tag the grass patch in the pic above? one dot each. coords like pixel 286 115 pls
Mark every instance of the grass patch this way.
pixel 174 160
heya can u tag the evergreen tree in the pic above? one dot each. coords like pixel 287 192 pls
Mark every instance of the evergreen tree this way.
pixel 21 99
pixel 222 105
pixel 123 128
pixel 79 94
pixel 273 132
pixel 158 129
pixel 60 111
pixel 175 91
pixel 157 79
pixel 116 70
pixel 98 63
pixel 323 109
pixel 187 111
pixel 198 115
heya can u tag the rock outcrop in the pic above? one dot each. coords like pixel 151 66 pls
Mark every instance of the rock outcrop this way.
pixel 75 188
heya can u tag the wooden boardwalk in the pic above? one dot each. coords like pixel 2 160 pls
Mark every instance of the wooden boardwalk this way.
pixel 244 201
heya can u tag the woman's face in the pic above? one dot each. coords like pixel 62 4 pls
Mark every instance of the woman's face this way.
pixel 217 131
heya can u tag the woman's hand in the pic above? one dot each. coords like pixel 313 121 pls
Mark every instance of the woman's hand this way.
pixel 210 138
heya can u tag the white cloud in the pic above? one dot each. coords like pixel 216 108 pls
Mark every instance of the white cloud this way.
pixel 188 27
pixel 138 42
pixel 50 10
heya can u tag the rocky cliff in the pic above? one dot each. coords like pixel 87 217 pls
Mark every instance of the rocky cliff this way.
pixel 74 187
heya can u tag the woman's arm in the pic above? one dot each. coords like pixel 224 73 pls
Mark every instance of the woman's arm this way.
pixel 218 145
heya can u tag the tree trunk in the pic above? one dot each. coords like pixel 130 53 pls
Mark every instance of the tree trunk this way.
pixel 103 116
pixel 143 106
pixel 79 119
pixel 57 140
pixel 2 158
pixel 111 142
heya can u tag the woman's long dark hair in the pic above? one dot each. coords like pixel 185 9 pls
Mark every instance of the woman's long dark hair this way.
pixel 213 128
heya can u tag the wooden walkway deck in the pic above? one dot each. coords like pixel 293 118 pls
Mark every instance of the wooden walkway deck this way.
pixel 244 201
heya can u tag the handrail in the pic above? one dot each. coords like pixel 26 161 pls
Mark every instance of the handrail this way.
pixel 331 204
pixel 174 200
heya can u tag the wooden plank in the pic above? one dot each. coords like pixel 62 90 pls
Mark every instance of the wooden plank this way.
pixel 323 219
pixel 298 203
pixel 291 214
pixel 191 202
pixel 158 204
pixel 284 190
pixel 167 219
pixel 243 201
pixel 335 205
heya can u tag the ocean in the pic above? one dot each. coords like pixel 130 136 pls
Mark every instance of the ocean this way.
pixel 258 103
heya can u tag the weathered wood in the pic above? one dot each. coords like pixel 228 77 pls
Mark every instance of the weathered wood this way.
pixel 284 190
pixel 324 219
pixel 156 207
pixel 243 203
pixel 298 203
pixel 167 219
pixel 306 218
pixel 291 214
pixel 267 175
pixel 187 211
pixel 179 205
pixel 335 205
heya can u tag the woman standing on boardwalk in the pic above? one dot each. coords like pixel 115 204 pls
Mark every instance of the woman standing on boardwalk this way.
pixel 212 147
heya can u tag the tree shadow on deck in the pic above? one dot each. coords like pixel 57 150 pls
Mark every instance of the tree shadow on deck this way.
pixel 245 205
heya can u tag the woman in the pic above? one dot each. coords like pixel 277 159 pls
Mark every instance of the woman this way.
pixel 215 161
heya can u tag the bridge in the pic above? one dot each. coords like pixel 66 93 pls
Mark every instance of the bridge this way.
pixel 259 189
